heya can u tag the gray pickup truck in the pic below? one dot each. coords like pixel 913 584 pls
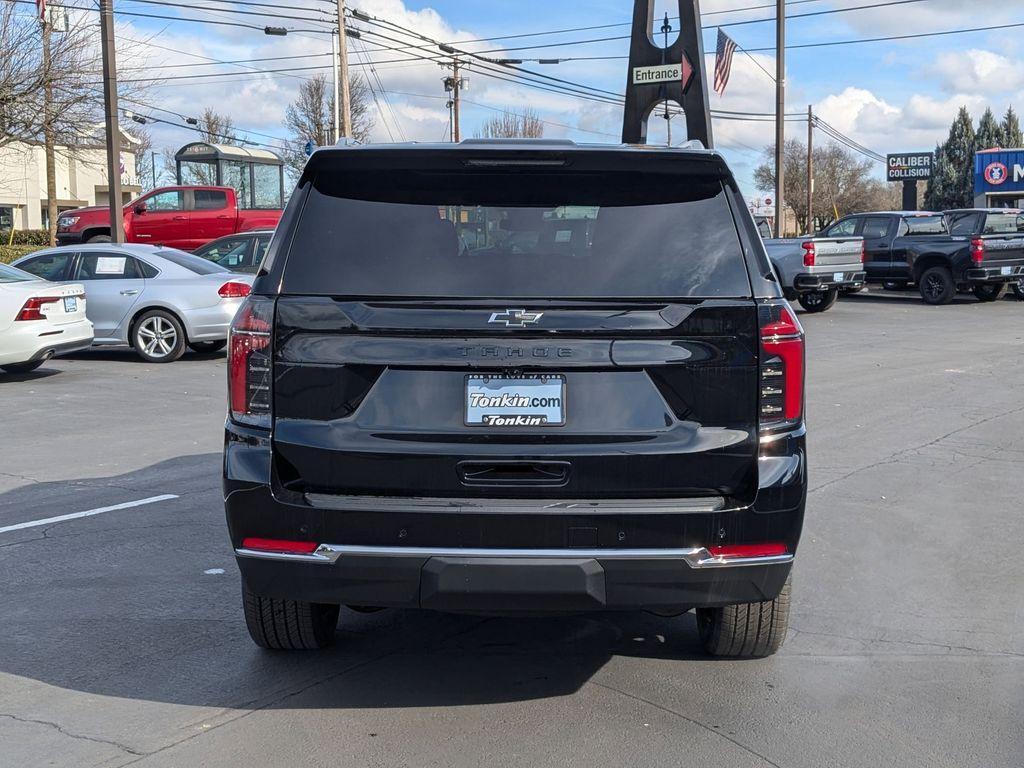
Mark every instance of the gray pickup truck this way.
pixel 812 270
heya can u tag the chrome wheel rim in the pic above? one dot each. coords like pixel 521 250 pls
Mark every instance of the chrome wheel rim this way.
pixel 157 337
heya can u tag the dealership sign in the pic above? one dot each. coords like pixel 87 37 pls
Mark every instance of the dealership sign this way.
pixel 915 166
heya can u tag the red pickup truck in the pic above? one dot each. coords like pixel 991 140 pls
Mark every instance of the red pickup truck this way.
pixel 178 217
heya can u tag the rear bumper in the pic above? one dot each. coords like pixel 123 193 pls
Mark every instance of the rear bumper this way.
pixel 840 277
pixel 503 581
pixel 210 323
pixel 40 341
pixel 1000 274
pixel 492 557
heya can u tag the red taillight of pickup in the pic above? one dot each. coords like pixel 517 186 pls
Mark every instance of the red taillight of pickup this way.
pixel 782 368
pixel 249 362
pixel 863 252
pixel 33 309
pixel 234 290
pixel 810 253
pixel 977 251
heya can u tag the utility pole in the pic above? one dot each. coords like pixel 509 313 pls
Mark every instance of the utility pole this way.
pixel 49 137
pixel 780 116
pixel 346 97
pixel 337 92
pixel 810 169
pixel 453 85
pixel 112 127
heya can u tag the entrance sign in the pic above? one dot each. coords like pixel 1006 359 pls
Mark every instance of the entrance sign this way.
pixel 915 166
pixel 657 75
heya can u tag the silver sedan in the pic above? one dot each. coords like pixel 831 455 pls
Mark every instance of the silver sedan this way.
pixel 156 300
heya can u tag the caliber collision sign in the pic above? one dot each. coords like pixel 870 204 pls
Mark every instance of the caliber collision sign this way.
pixel 916 166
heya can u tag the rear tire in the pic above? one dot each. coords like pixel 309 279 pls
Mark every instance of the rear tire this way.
pixel 748 630
pixel 1018 289
pixel 818 301
pixel 207 347
pixel 937 286
pixel 988 293
pixel 158 337
pixel 100 239
pixel 288 625
pixel 22 367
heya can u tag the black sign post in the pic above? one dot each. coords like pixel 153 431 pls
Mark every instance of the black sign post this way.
pixel 910 168
pixel 675 73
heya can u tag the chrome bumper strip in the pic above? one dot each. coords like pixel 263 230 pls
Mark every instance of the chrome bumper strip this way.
pixel 695 557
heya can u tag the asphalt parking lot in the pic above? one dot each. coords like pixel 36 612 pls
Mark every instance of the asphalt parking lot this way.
pixel 123 641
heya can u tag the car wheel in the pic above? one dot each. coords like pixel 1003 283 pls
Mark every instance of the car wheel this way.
pixel 206 347
pixel 748 630
pixel 22 367
pixel 894 285
pixel 988 292
pixel 818 301
pixel 100 239
pixel 158 337
pixel 1018 289
pixel 936 286
pixel 288 625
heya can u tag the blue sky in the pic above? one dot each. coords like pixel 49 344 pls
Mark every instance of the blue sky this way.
pixel 891 96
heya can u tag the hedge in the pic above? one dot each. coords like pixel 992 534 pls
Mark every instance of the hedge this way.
pixel 9 253
pixel 37 237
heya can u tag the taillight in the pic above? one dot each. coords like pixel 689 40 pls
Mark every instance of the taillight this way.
pixel 977 251
pixel 286 546
pixel 810 252
pixel 863 253
pixel 249 364
pixel 782 367
pixel 33 309
pixel 233 290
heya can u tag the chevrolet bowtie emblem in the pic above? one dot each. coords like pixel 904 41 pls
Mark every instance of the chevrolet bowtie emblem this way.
pixel 516 318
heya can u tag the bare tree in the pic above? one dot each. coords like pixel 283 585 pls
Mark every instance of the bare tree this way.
pixel 145 168
pixel 215 128
pixel 310 118
pixel 513 125
pixel 843 182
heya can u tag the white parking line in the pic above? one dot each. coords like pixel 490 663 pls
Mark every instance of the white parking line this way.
pixel 87 513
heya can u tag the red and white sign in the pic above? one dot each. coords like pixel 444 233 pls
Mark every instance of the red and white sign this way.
pixel 996 174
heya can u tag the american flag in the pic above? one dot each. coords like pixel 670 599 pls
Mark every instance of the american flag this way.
pixel 41 9
pixel 723 61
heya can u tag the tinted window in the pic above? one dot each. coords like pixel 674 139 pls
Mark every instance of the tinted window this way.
pixel 876 227
pixel 9 274
pixel 165 201
pixel 50 266
pixel 210 199
pixel 108 266
pixel 516 235
pixel 232 253
pixel 190 262
pixel 964 223
pixel 1009 223
pixel 844 228
pixel 923 225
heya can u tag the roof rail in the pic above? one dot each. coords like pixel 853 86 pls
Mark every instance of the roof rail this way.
pixel 525 142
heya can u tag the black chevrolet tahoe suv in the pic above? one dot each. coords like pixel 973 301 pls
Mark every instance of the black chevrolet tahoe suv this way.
pixel 515 378
pixel 981 250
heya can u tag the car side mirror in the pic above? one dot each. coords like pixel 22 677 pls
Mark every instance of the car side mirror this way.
pixel 141 208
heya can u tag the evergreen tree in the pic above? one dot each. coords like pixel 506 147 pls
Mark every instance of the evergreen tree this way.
pixel 952 184
pixel 990 133
pixel 1012 136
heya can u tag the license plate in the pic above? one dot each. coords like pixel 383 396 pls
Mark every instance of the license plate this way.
pixel 838 277
pixel 515 401
pixel 1006 271
pixel 70 304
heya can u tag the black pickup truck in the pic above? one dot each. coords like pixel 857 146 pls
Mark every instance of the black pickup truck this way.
pixel 977 249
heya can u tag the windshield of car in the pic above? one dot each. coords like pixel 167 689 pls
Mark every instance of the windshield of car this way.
pixel 623 234
pixel 9 274
pixel 191 262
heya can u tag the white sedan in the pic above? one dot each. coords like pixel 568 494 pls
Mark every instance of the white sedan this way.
pixel 39 319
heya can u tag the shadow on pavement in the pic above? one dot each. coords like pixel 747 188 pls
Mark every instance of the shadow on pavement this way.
pixel 130 604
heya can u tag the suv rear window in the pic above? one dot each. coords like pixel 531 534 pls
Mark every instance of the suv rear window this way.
pixel 1009 223
pixel 516 233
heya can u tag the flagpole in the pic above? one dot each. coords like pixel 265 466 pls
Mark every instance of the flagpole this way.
pixel 780 117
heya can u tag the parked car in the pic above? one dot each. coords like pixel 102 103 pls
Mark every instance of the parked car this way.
pixel 495 386
pixel 977 250
pixel 156 300
pixel 176 217
pixel 39 320
pixel 813 270
pixel 239 253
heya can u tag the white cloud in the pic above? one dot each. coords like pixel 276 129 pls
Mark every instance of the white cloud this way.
pixel 977 71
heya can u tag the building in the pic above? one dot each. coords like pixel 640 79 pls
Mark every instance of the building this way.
pixel 999 178
pixel 81 179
